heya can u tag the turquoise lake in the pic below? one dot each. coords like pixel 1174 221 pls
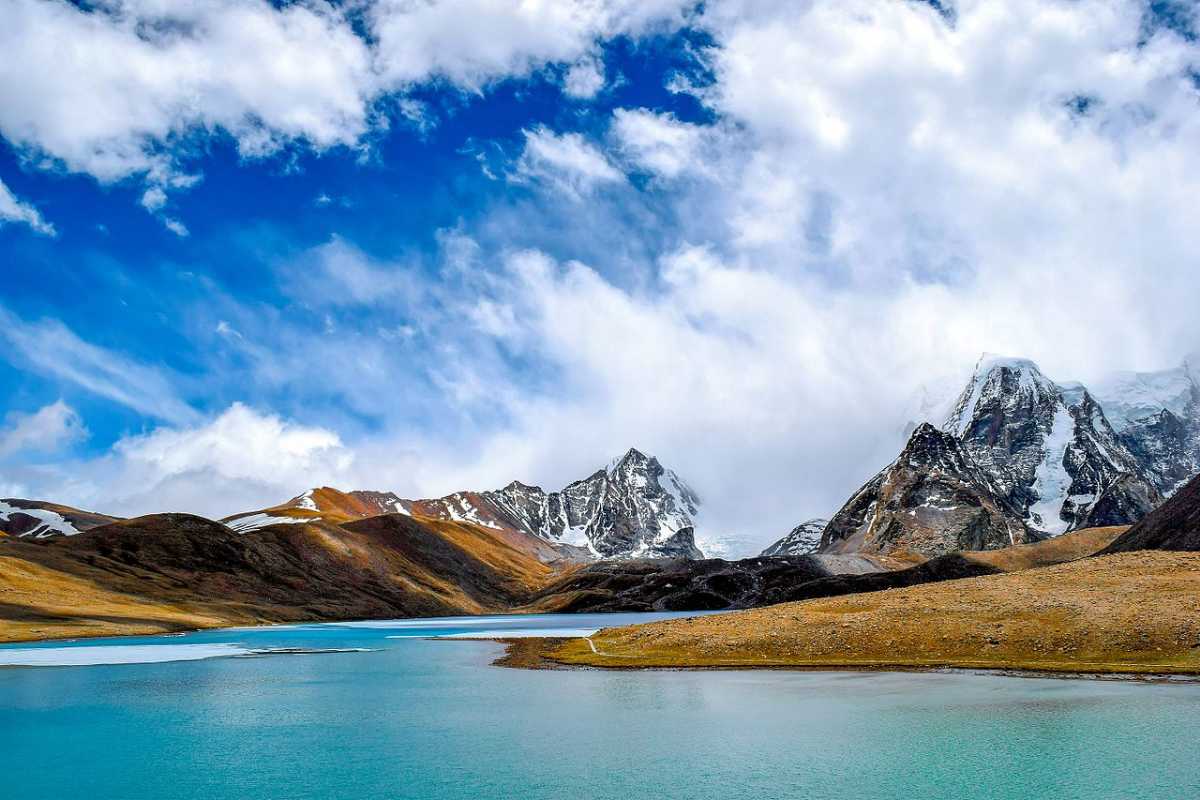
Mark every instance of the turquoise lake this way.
pixel 409 717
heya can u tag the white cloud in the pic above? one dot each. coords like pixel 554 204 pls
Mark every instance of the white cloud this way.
pixel 566 161
pixel 240 460
pixel 659 143
pixel 47 430
pixel 129 87
pixel 175 226
pixel 339 274
pixel 473 42
pixel 14 210
pixel 585 78
pixel 154 198
pixel 114 91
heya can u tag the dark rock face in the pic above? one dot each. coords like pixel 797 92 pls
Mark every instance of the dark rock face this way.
pixel 633 509
pixel 931 500
pixel 1049 450
pixel 713 584
pixel 803 539
pixel 1168 446
pixel 1175 525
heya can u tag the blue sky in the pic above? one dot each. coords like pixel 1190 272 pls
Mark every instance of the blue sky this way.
pixel 250 247
pixel 120 279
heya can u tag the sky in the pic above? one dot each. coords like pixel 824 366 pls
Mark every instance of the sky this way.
pixel 251 247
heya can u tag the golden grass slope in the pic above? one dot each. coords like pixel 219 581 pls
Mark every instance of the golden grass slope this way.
pixel 1131 612
pixel 39 602
pixel 173 572
pixel 1058 550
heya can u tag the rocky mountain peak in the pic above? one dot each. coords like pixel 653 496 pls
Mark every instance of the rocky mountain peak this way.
pixel 1047 449
pixel 632 508
pixel 1000 389
pixel 931 500
pixel 802 540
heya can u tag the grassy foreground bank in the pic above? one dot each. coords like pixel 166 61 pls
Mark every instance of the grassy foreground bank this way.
pixel 1125 613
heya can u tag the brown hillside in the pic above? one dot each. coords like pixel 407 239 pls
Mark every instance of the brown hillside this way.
pixel 172 571
pixel 1135 612
pixel 1175 525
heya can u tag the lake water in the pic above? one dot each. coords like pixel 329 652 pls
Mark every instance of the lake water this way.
pixel 406 717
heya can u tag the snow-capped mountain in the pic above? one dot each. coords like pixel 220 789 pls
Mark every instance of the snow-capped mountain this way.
pixel 1049 449
pixel 1157 417
pixel 36 519
pixel 803 539
pixel 931 500
pixel 1040 454
pixel 634 508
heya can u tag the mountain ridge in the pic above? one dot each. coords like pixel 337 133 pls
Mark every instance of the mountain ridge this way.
pixel 633 508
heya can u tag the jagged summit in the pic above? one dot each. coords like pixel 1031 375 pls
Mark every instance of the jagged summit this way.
pixel 1017 383
pixel 931 500
pixel 633 508
pixel 1048 448
pixel 802 540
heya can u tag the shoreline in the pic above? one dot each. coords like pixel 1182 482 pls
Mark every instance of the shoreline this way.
pixel 538 654
pixel 542 653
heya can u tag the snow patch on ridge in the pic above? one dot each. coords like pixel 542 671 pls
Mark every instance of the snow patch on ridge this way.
pixel 51 521
pixel 253 522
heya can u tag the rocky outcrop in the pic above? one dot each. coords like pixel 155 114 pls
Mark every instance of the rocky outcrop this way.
pixel 931 500
pixel 713 584
pixel 803 539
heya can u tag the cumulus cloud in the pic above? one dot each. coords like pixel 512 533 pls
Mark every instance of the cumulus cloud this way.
pixel 46 430
pixel 658 143
pixel 566 161
pixel 239 460
pixel 138 76
pixel 585 78
pixel 13 209
pixel 132 87
pixel 473 42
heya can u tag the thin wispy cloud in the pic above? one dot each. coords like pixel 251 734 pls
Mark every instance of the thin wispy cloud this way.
pixel 49 347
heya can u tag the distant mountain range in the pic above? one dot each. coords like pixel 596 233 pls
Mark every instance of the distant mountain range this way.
pixel 633 508
pixel 1020 458
pixel 1014 457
